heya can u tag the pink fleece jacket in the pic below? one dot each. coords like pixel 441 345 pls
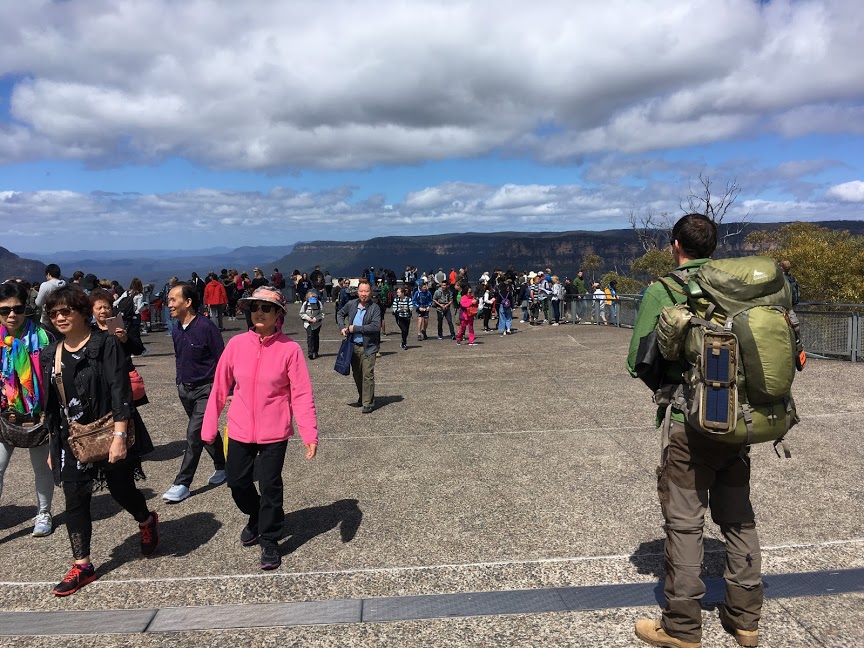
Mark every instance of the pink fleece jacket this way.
pixel 272 385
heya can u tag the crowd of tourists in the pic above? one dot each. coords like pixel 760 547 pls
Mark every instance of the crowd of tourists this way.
pixel 70 392
pixel 68 371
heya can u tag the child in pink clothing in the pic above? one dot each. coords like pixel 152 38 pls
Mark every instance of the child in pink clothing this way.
pixel 466 316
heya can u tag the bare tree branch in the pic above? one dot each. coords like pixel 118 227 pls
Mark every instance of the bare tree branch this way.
pixel 701 201
pixel 652 230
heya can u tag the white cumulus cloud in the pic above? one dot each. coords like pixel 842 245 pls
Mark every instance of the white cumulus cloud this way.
pixel 339 84
pixel 848 191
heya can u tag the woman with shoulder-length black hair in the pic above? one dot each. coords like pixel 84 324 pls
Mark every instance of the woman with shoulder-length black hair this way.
pixel 95 382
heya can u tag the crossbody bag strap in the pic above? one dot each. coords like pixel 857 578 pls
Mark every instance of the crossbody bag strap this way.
pixel 58 377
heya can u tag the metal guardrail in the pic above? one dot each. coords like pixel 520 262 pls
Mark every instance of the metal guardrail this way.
pixel 825 332
pixel 832 334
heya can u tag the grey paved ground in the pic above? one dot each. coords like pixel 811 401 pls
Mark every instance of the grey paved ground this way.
pixel 449 487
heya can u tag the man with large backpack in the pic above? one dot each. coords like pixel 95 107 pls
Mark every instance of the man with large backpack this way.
pixel 700 470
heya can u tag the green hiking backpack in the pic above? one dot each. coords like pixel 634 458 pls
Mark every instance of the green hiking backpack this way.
pixel 741 340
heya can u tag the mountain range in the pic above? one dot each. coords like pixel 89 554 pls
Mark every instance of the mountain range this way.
pixel 561 251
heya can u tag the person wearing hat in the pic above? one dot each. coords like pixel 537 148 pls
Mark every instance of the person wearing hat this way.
pixel 271 386
pixel 312 314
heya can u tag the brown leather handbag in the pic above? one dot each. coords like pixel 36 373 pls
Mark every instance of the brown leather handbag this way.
pixel 89 442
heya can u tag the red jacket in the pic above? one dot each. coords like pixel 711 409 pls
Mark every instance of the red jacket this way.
pixel 214 294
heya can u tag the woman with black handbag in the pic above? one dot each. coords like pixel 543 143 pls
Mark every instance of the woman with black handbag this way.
pixel 90 389
pixel 22 397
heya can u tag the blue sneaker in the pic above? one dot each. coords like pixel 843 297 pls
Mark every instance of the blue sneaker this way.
pixel 177 493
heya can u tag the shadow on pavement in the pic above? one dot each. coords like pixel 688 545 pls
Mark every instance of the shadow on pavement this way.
pixel 13 515
pixel 167 451
pixel 383 401
pixel 648 559
pixel 304 525
pixel 176 538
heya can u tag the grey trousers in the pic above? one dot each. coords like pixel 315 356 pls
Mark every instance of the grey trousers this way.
pixel 697 474
pixel 363 370
pixel 41 471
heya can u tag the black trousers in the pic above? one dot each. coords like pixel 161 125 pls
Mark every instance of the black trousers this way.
pixel 195 402
pixel 487 313
pixel 404 324
pixel 313 337
pixel 121 484
pixel 265 510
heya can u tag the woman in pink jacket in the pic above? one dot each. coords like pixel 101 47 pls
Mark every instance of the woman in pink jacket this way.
pixel 467 313
pixel 271 384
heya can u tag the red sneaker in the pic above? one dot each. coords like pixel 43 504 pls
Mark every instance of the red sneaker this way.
pixel 150 535
pixel 77 578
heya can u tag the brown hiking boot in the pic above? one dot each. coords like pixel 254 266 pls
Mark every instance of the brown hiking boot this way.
pixel 748 638
pixel 651 632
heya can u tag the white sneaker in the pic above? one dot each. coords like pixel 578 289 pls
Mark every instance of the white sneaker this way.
pixel 177 493
pixel 44 525
pixel 218 477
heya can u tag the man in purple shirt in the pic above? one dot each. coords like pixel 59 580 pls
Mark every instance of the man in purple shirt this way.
pixel 197 348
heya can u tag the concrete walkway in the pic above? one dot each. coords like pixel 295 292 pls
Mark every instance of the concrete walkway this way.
pixel 506 477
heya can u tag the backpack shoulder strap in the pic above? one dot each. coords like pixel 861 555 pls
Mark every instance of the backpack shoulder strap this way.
pixel 675 283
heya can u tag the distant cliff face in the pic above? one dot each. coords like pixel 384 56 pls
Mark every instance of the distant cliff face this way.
pixel 562 252
pixel 11 265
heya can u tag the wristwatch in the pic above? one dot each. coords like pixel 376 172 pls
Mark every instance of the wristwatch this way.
pixel 121 435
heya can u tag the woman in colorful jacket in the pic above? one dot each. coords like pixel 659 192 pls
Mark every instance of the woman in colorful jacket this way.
pixel 271 385
pixel 22 392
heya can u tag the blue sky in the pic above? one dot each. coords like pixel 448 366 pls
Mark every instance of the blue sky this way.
pixel 166 124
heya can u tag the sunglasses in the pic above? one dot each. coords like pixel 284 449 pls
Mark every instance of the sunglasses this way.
pixel 18 310
pixel 266 308
pixel 57 312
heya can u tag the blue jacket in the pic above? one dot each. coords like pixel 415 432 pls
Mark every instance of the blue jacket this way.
pixel 422 299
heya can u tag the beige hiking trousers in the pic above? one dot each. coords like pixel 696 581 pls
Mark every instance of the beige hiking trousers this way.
pixel 700 474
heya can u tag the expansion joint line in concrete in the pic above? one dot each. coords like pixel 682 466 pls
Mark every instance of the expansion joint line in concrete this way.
pixel 424 568
pixel 403 608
